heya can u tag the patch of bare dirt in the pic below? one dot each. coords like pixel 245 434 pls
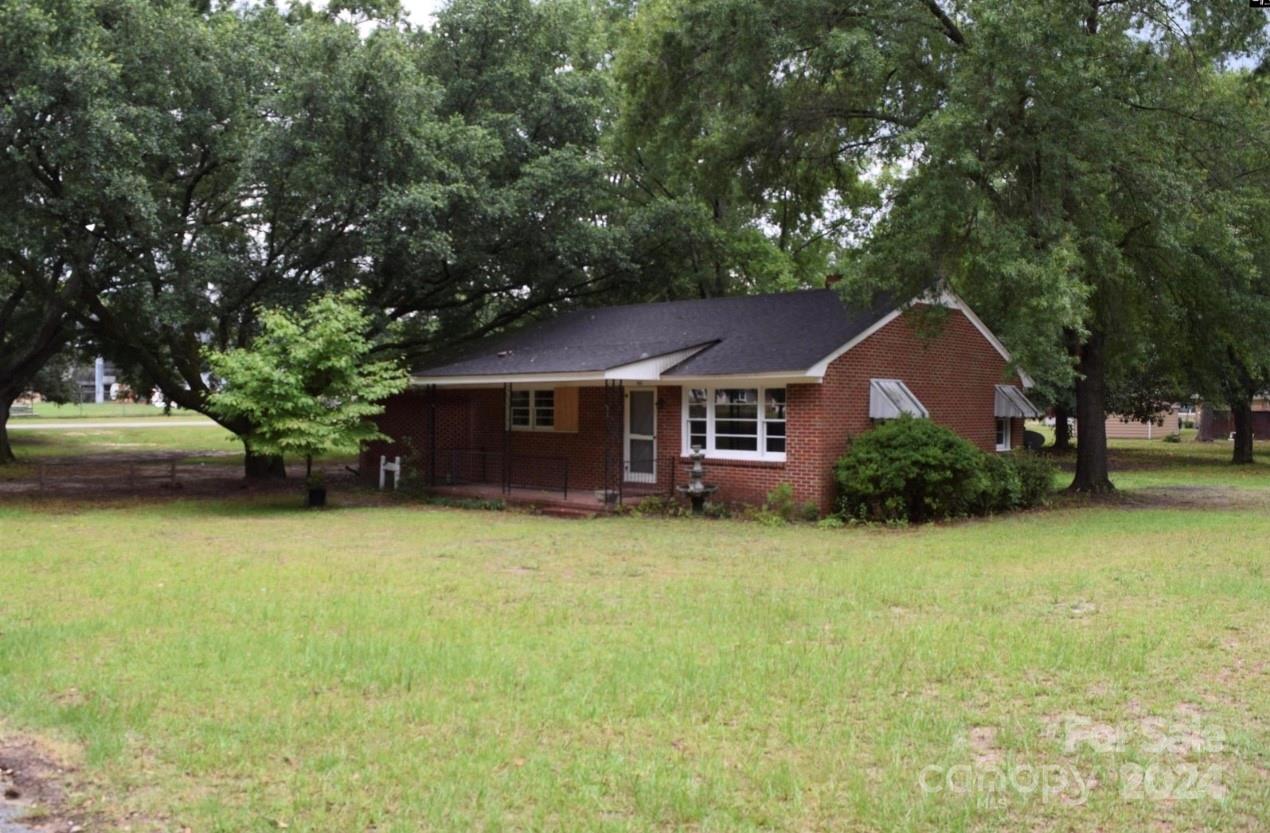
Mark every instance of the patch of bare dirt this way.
pixel 34 782
pixel 1196 497
pixel 982 741
pixel 97 479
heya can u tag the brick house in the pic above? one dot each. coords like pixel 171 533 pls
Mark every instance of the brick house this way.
pixel 607 403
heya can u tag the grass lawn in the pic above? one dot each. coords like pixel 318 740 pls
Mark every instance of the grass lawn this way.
pixel 96 410
pixel 201 442
pixel 243 666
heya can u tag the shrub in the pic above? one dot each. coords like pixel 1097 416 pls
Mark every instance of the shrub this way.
pixel 1003 485
pixel 831 522
pixel 1175 437
pixel 1036 478
pixel 658 506
pixel 911 469
pixel 781 503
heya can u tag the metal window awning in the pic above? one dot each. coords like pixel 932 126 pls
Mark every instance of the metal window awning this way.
pixel 888 398
pixel 1010 402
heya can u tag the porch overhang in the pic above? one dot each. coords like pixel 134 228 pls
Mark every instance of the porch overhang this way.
pixel 598 378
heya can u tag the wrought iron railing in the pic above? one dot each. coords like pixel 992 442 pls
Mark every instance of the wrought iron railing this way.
pixel 467 466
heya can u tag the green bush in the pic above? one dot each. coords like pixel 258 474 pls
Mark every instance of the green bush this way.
pixel 1036 478
pixel 781 503
pixel 1003 485
pixel 1175 437
pixel 663 506
pixel 914 470
pixel 911 469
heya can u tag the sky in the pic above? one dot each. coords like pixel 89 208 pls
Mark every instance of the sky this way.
pixel 421 11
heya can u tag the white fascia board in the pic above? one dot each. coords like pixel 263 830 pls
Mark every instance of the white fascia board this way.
pixel 942 298
pixel 514 379
pixel 651 369
pixel 988 334
pixel 821 367
pixel 784 377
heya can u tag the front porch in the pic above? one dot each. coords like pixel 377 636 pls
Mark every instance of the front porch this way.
pixel 577 503
pixel 537 444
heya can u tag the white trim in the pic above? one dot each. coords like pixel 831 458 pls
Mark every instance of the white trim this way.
pixel 944 298
pixel 651 369
pixel 988 334
pixel 821 367
pixel 762 455
pixel 521 379
pixel 1009 429
pixel 779 379
pixel 628 475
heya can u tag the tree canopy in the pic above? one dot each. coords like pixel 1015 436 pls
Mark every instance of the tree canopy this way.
pixel 1089 175
pixel 306 384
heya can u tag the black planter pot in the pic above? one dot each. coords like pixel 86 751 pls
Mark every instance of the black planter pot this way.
pixel 317 496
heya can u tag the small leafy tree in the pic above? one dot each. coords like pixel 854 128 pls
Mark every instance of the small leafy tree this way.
pixel 306 383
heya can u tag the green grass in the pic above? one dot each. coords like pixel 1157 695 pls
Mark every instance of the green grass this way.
pixel 68 442
pixel 95 410
pixel 240 666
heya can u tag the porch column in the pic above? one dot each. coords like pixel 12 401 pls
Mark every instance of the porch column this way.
pixel 507 438
pixel 432 435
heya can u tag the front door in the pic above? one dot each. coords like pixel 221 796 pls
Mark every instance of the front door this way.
pixel 641 436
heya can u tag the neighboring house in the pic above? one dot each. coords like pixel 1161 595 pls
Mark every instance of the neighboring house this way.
pixel 771 387
pixel 1215 423
pixel 1120 427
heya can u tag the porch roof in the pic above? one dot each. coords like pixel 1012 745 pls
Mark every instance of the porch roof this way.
pixel 757 335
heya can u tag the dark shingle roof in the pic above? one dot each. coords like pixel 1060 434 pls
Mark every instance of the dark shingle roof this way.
pixel 751 334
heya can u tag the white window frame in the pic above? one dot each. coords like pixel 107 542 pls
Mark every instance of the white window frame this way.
pixel 533 410
pixel 762 454
pixel 1003 425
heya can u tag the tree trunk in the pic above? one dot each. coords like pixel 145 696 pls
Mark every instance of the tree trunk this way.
pixel 1091 414
pixel 1241 415
pixel 6 450
pixel 264 466
pixel 1062 429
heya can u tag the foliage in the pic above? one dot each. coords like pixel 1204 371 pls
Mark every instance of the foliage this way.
pixel 658 506
pixel 306 384
pixel 478 504
pixel 781 503
pixel 914 470
pixel 1003 486
pixel 910 469
pixel 1046 160
pixel 1035 474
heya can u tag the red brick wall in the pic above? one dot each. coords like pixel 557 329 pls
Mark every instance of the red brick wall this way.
pixel 953 373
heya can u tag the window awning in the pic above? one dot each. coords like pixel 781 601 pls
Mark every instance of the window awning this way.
pixel 1010 402
pixel 888 398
